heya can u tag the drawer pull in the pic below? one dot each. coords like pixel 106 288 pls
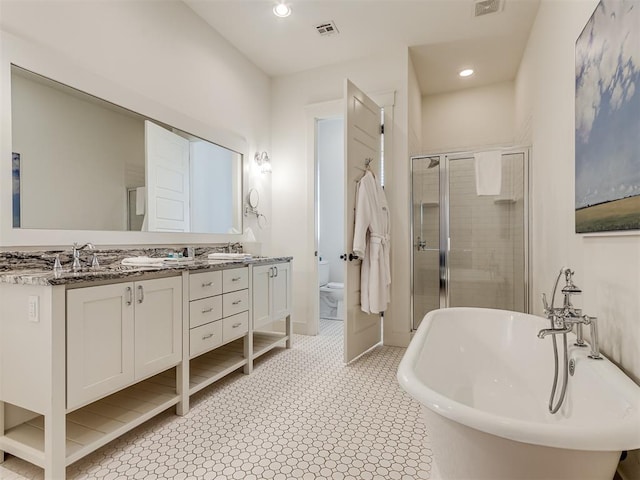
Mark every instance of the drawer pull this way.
pixel 204 337
pixel 207 284
pixel 237 302
pixel 235 279
pixel 236 325
pixel 207 310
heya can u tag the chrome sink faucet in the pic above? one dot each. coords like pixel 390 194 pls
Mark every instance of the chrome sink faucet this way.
pixel 76 266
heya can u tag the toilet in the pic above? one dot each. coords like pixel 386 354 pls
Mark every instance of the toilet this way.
pixel 331 294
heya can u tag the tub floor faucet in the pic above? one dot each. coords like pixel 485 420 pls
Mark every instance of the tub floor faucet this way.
pixel 562 320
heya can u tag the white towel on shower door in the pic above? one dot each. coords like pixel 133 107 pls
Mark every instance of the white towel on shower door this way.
pixel 488 172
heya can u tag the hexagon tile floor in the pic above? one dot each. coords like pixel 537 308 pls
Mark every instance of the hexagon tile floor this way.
pixel 300 414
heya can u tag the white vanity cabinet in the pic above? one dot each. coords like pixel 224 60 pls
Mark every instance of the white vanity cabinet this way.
pixel 83 363
pixel 271 294
pixel 119 334
pixel 81 366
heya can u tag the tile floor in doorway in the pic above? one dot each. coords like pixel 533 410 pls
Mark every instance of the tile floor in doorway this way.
pixel 301 414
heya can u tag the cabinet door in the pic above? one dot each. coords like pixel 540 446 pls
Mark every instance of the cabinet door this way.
pixel 100 329
pixel 261 295
pixel 281 291
pixel 158 325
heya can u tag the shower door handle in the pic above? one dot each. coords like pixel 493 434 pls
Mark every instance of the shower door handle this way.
pixel 351 257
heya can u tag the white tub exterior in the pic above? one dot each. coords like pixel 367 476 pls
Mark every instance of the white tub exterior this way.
pixel 484 378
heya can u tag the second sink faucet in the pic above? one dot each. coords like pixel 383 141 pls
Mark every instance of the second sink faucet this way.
pixel 76 266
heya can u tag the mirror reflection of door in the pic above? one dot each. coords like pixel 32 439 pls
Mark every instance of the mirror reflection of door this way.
pixel 167 178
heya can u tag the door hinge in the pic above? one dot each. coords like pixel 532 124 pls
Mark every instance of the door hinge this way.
pixel 382 129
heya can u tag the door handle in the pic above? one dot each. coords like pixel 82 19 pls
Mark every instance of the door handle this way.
pixel 276 271
pixel 351 257
pixel 129 293
pixel 140 294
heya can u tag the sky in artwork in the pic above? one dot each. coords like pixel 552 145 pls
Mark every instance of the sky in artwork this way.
pixel 608 104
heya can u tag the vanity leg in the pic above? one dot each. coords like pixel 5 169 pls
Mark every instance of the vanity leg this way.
pixel 288 330
pixel 55 446
pixel 1 429
pixel 248 353
pixel 55 427
pixel 182 387
pixel 182 370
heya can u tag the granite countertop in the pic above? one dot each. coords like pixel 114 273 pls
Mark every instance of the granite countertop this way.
pixel 36 268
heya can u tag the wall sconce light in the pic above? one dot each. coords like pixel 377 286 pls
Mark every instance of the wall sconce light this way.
pixel 263 161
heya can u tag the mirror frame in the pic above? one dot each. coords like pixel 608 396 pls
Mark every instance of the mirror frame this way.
pixel 49 64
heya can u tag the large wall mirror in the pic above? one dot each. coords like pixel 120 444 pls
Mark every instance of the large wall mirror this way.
pixel 82 163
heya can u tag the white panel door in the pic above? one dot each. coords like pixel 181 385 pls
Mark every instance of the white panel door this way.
pixel 100 350
pixel 362 141
pixel 158 325
pixel 167 177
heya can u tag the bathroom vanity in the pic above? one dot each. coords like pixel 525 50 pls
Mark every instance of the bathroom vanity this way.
pixel 86 357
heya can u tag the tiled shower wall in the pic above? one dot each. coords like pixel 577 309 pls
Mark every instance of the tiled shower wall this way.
pixel 487 233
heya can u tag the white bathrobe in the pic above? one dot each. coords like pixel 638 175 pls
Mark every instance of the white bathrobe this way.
pixel 371 243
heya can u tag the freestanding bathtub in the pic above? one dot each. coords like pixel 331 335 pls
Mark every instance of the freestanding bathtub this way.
pixel 484 379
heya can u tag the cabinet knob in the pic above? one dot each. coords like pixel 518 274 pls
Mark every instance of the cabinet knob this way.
pixel 235 279
pixel 236 325
pixel 204 337
pixel 207 310
pixel 207 284
pixel 140 294
pixel 129 293
pixel 237 302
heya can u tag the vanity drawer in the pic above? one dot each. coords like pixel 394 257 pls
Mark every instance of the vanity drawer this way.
pixel 205 337
pixel 205 284
pixel 235 302
pixel 235 326
pixel 205 311
pixel 235 279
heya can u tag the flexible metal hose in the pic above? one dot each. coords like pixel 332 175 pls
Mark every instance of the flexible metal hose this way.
pixel 565 377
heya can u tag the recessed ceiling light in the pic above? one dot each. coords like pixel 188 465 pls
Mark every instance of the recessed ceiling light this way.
pixel 467 72
pixel 282 10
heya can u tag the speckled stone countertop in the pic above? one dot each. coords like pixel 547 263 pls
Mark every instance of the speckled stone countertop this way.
pixel 36 268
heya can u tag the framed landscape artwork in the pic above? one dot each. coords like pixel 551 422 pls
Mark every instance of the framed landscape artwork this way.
pixel 607 136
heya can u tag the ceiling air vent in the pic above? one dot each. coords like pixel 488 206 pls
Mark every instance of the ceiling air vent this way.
pixel 484 7
pixel 327 28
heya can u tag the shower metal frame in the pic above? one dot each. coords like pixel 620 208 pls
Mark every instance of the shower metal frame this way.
pixel 443 211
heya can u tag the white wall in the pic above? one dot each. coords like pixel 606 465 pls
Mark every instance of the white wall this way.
pixel 414 109
pixel 607 267
pixel 468 118
pixel 166 61
pixel 293 194
pixel 330 159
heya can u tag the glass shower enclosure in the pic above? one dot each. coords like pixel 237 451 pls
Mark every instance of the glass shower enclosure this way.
pixel 469 250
